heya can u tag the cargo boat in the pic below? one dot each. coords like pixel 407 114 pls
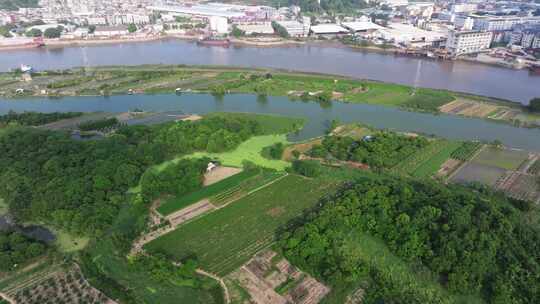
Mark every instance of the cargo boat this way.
pixel 214 41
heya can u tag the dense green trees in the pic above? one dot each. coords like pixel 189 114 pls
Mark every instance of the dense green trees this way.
pixel 34 33
pixel 280 30
pixel 16 249
pixel 75 185
pixel 383 150
pixel 474 242
pixel 308 168
pixel 274 151
pixel 132 28
pixel 53 32
pixel 534 104
pixel 162 269
pixel 80 185
pixel 176 179
pixel 34 118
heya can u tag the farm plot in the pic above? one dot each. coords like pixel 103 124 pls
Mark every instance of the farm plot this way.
pixel 474 172
pixel 62 286
pixel 176 203
pixel 270 279
pixel 501 158
pixel 466 151
pixel 520 186
pixel 225 239
pixel 535 168
pixel 428 160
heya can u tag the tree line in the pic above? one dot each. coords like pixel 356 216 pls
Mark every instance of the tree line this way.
pixel 383 150
pixel 35 118
pixel 475 242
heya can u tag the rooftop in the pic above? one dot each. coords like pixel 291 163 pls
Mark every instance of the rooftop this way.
pixel 329 28
pixel 358 26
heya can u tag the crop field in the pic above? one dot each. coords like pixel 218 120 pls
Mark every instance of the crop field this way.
pixel 427 161
pixel 534 169
pixel 61 286
pixel 221 189
pixel 225 239
pixel 249 150
pixel 501 158
pixel 520 186
pixel 474 172
pixel 247 186
pixel 466 151
pixel 434 163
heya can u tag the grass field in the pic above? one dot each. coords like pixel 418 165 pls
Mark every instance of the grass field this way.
pixel 501 158
pixel 225 239
pixel 249 150
pixel 67 242
pixel 176 203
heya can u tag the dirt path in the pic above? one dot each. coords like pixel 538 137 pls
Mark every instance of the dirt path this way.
pixel 221 282
pixel 7 298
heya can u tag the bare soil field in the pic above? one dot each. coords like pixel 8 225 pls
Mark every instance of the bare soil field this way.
pixel 301 148
pixel 269 279
pixel 190 212
pixel 219 173
pixel 448 167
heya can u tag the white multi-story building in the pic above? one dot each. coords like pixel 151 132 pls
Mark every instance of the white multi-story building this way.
pixel 530 39
pixel 501 23
pixel 464 8
pixel 536 42
pixel 467 42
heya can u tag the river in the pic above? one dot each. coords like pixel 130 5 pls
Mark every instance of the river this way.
pixel 517 85
pixel 318 116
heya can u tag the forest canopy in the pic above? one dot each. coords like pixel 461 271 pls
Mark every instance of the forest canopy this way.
pixel 475 243
pixel 80 185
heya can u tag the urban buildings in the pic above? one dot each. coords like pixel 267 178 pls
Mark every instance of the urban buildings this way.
pixel 466 42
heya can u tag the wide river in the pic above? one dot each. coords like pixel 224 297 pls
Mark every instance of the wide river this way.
pixel 517 85
pixel 318 116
